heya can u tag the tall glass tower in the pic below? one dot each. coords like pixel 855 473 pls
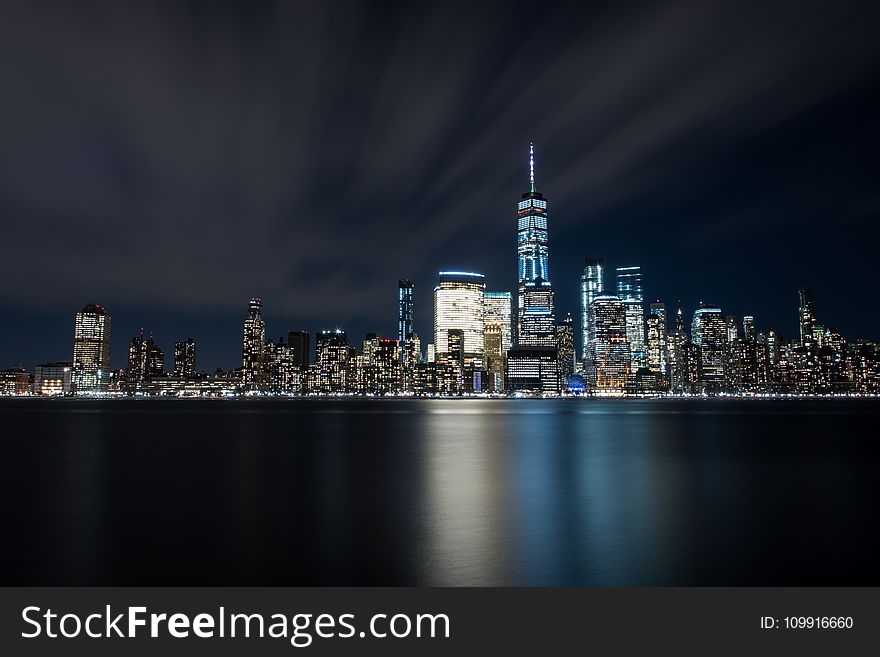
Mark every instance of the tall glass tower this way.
pixel 532 231
pixel 629 290
pixel 404 309
pixel 91 350
pixel 535 303
pixel 591 287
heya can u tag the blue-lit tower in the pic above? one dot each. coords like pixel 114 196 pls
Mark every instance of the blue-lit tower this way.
pixel 532 231
pixel 404 309
pixel 536 315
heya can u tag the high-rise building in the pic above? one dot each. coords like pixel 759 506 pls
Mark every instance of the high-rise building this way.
pixel 749 328
pixel 678 354
pixel 611 351
pixel 709 333
pixel 806 316
pixel 536 316
pixel 459 304
pixel 299 344
pixel 565 349
pixel 370 347
pixel 494 354
pixel 732 328
pixel 532 363
pixel 389 367
pixel 332 356
pixel 185 359
pixel 91 350
pixel 253 344
pixel 532 242
pixel 533 370
pixel 404 309
pixel 629 290
pixel 592 286
pixel 657 343
pixel 498 307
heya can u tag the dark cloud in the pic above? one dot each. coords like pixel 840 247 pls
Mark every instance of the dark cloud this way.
pixel 181 157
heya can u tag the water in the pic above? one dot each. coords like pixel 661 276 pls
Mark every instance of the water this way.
pixel 440 492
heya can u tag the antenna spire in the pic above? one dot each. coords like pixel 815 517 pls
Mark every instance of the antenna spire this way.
pixel 532 167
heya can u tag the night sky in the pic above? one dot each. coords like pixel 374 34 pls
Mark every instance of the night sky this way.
pixel 170 160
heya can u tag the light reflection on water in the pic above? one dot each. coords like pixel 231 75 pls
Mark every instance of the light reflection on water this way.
pixel 445 492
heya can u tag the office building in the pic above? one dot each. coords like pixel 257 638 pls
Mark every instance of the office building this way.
pixel 611 352
pixel 52 379
pixel 536 315
pixel 458 305
pixel 91 350
pixel 592 286
pixel 185 359
pixel 565 349
pixel 253 345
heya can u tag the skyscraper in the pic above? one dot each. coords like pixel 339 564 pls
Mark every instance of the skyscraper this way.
pixel 404 309
pixel 629 290
pixel 806 316
pixel 185 359
pixel 498 336
pixel 536 315
pixel 709 333
pixel 458 304
pixel 657 343
pixel 299 344
pixel 532 363
pixel 91 350
pixel 611 351
pixel 537 326
pixel 332 355
pixel 498 307
pixel 591 287
pixel 532 248
pixel 565 349
pixel 253 344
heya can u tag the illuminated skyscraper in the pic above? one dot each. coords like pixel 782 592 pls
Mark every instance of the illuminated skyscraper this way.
pixel 91 350
pixel 387 360
pixel 709 333
pixel 404 309
pixel 592 286
pixel 532 246
pixel 611 351
pixel 458 304
pixel 536 314
pixel 494 355
pixel 299 344
pixel 498 307
pixel 565 349
pixel 732 328
pixel 749 328
pixel 497 336
pixel 806 316
pixel 185 359
pixel 629 290
pixel 253 344
pixel 332 355
pixel 657 343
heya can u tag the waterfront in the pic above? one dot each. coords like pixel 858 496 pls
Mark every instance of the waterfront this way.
pixel 440 492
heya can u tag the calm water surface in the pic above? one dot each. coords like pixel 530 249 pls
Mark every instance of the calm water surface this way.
pixel 440 492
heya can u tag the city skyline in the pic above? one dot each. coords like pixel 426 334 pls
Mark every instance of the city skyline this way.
pixel 490 341
pixel 678 137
